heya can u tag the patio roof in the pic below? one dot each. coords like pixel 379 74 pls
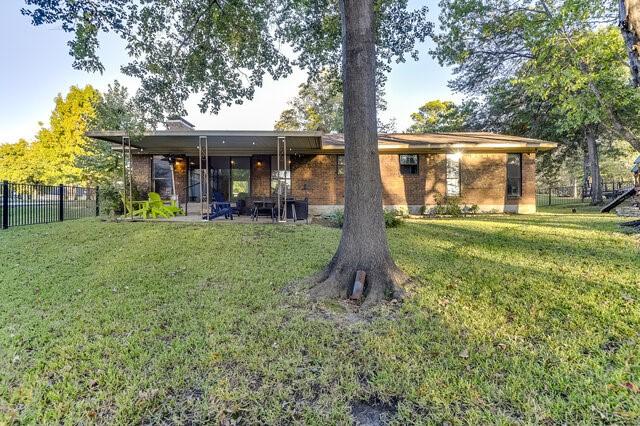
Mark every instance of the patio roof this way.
pixel 243 142
pixel 219 141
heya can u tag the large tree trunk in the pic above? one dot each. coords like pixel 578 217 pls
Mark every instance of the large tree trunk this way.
pixel 594 165
pixel 629 21
pixel 363 245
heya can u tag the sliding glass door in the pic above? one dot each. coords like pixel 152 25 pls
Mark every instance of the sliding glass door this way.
pixel 230 176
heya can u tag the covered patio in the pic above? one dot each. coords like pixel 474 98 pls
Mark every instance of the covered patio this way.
pixel 247 172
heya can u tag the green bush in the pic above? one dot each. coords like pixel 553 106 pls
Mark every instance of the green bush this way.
pixel 447 206
pixel 474 209
pixel 336 218
pixel 110 200
pixel 392 218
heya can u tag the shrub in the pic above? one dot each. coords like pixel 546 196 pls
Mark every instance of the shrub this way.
pixel 336 218
pixel 447 206
pixel 110 200
pixel 392 218
pixel 474 209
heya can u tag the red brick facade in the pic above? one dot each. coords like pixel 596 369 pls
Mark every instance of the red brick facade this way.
pixel 483 181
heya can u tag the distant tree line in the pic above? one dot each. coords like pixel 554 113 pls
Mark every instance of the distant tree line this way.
pixel 62 153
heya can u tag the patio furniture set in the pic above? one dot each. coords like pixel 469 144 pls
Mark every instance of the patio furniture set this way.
pixel 295 209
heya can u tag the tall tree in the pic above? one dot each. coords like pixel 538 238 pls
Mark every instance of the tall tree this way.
pixel 115 110
pixel 317 107
pixel 492 40
pixel 15 163
pixel 629 22
pixel 441 116
pixel 222 49
pixel 56 149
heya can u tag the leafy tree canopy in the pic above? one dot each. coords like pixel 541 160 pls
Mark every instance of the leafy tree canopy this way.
pixel 222 49
pixel 317 107
pixel 566 54
pixel 441 116
pixel 56 148
pixel 61 152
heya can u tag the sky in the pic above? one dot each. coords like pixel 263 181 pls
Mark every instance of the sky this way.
pixel 35 67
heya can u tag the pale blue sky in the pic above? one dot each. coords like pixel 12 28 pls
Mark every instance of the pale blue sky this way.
pixel 35 67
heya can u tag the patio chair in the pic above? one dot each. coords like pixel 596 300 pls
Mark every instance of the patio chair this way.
pixel 301 210
pixel 141 211
pixel 171 208
pixel 157 207
pixel 219 208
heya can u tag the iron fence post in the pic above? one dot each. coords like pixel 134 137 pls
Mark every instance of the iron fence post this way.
pixel 97 201
pixel 5 204
pixel 549 195
pixel 60 202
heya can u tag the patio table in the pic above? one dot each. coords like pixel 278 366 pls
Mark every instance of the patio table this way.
pixel 265 206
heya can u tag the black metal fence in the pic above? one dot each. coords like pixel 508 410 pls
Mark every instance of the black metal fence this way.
pixel 30 204
pixel 560 195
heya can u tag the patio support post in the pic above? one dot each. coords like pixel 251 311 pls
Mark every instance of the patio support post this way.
pixel 124 177
pixel 204 174
pixel 278 184
pixel 130 166
pixel 200 174
pixel 284 176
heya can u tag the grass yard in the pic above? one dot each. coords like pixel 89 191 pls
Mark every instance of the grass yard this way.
pixel 513 319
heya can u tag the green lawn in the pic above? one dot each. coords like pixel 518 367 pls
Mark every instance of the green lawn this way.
pixel 513 319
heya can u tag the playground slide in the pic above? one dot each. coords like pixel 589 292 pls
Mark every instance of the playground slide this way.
pixel 617 201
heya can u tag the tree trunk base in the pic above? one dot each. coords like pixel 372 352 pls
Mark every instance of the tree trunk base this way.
pixel 383 282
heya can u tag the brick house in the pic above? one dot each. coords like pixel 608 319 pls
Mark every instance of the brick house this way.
pixel 495 172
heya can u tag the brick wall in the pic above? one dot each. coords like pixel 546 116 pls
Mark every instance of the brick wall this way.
pixel 315 177
pixel 483 180
pixel 260 176
pixel 141 174
pixel 180 174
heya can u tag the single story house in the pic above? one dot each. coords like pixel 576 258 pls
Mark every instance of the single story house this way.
pixel 495 172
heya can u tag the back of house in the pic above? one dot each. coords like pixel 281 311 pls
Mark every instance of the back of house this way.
pixel 496 173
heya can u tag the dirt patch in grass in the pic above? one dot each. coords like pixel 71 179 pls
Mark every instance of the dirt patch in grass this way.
pixel 372 413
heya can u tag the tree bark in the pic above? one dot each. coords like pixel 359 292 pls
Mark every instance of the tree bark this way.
pixel 629 22
pixel 594 164
pixel 363 245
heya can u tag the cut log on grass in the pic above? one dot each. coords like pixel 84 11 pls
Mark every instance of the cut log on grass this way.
pixel 358 285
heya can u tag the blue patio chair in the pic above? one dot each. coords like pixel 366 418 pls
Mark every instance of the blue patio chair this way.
pixel 219 208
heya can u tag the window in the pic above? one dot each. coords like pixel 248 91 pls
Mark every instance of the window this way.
pixel 162 182
pixel 340 165
pixel 240 178
pixel 409 164
pixel 514 175
pixel 453 175
pixel 281 176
